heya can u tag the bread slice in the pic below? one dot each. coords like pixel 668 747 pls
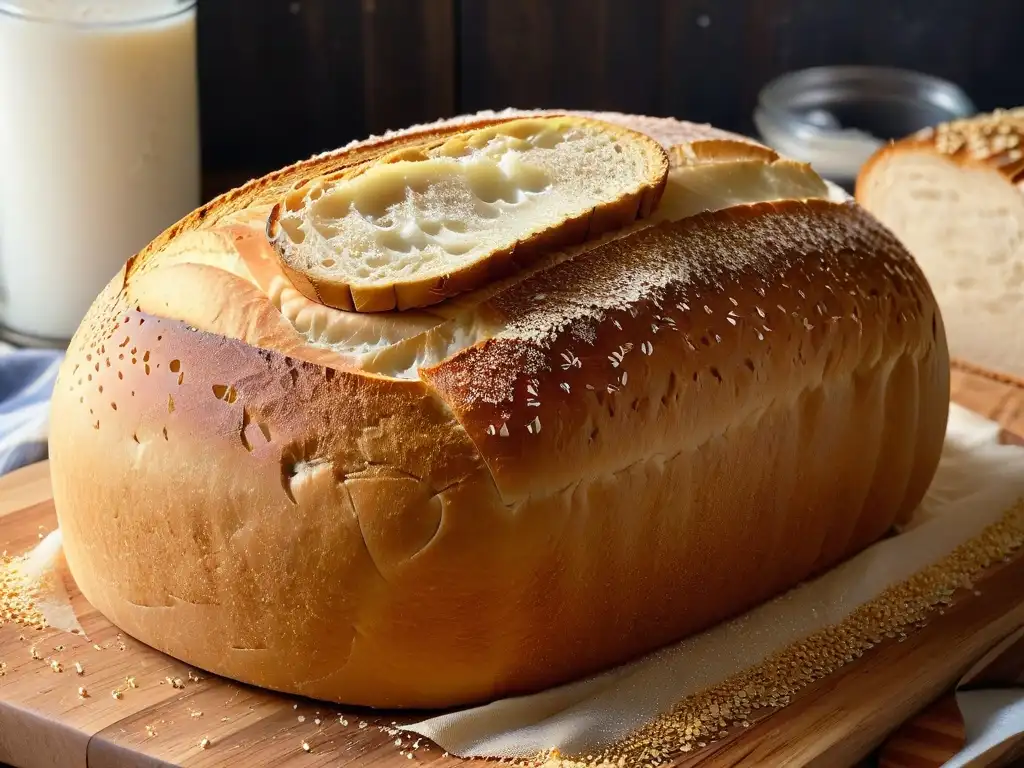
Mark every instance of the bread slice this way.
pixel 712 174
pixel 434 219
pixel 955 196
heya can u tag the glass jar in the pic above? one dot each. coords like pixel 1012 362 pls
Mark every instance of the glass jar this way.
pixel 836 117
pixel 99 148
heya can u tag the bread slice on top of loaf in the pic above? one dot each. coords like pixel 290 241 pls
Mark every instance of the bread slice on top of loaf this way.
pixel 954 195
pixel 434 219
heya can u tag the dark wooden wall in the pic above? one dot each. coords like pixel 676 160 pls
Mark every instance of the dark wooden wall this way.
pixel 282 79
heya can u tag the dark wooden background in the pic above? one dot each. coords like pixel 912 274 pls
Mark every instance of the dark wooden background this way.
pixel 283 79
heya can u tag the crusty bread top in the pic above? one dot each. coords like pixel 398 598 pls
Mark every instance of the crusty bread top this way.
pixel 398 344
pixel 993 140
pixel 726 237
pixel 434 219
pixel 222 249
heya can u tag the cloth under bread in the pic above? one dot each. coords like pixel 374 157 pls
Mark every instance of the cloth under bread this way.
pixel 26 383
pixel 977 481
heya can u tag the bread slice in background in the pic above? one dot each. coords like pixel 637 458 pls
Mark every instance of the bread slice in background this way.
pixel 434 219
pixel 954 195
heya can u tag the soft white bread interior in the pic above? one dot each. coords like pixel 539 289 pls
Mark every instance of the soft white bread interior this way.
pixel 434 219
pixel 628 440
pixel 955 196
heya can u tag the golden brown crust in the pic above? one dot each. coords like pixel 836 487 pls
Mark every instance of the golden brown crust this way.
pixel 641 434
pixel 227 507
pixel 690 301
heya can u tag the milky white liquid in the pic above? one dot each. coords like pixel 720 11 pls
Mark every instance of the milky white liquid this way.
pixel 99 148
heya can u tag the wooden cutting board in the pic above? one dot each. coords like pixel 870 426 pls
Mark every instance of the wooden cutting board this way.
pixel 44 722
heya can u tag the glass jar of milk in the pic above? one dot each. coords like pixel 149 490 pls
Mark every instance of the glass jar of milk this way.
pixel 99 148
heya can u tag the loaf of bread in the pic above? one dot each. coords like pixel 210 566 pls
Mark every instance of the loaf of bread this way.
pixel 954 195
pixel 622 441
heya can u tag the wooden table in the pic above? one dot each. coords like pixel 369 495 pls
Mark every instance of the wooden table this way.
pixel 44 722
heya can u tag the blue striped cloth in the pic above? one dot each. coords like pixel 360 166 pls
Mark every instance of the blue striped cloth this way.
pixel 26 383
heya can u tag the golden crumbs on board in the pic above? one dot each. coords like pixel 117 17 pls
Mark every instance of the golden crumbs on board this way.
pixel 117 693
pixel 205 743
pixel 82 693
pixel 706 716
pixel 306 747
pixel 79 669
pixel 18 593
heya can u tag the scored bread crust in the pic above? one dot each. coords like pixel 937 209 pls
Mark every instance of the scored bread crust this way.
pixel 643 442
pixel 432 286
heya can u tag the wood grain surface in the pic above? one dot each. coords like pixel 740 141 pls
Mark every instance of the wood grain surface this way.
pixel 164 720
pixel 936 734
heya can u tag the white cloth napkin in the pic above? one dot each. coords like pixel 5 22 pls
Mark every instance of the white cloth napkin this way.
pixel 978 480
